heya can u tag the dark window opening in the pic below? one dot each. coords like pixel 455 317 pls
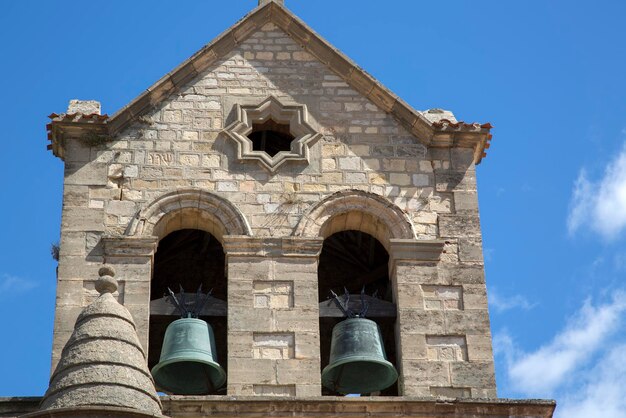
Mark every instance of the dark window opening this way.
pixel 188 258
pixel 271 137
pixel 354 259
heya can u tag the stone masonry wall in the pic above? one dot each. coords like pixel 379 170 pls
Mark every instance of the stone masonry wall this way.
pixel 446 344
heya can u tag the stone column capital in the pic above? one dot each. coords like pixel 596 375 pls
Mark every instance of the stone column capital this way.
pixel 416 250
pixel 246 246
pixel 131 247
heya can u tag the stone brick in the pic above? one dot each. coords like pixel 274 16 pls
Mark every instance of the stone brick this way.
pixel 273 346
pixel 450 392
pixel 90 174
pixel 459 226
pixel 446 348
pixel 443 297
pixel 467 322
pixel 275 390
pixel 465 202
pixel 273 295
pixel 475 374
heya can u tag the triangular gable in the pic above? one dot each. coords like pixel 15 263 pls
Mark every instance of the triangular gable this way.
pixel 441 134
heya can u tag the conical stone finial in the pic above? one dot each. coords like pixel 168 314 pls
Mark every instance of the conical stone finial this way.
pixel 103 365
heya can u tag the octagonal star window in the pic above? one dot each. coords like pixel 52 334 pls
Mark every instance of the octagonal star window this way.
pixel 272 133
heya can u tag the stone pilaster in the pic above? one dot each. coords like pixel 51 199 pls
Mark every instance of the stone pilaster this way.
pixel 410 260
pixel 132 258
pixel 443 325
pixel 273 333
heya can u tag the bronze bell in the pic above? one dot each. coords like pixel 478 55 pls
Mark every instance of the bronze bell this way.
pixel 358 363
pixel 188 364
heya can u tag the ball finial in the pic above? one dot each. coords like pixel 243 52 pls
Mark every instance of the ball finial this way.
pixel 106 283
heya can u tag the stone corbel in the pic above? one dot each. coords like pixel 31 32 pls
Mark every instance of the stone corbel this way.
pixel 132 249
pixel 416 250
pixel 246 246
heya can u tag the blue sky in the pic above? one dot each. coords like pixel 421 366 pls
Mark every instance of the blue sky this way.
pixel 550 76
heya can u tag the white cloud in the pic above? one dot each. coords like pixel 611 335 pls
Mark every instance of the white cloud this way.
pixel 14 284
pixel 601 392
pixel 502 303
pixel 553 366
pixel 600 205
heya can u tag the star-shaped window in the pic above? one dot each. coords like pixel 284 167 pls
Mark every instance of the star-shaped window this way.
pixel 272 133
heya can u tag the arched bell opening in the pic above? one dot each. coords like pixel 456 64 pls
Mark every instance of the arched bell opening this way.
pixel 188 258
pixel 356 261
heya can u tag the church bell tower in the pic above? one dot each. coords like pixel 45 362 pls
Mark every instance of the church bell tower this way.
pixel 272 229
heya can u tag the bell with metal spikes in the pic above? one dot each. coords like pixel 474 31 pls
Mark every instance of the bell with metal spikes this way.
pixel 358 363
pixel 188 363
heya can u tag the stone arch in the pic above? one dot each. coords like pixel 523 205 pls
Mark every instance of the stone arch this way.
pixel 356 210
pixel 189 209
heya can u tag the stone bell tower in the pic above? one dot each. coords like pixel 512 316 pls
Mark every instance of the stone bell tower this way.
pixel 271 169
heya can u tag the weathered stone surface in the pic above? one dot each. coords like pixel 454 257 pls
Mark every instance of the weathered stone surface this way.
pixel 177 169
pixel 86 107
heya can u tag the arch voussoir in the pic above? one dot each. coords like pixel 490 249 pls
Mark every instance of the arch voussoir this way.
pixel 362 211
pixel 189 208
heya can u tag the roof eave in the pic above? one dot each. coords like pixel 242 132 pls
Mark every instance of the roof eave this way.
pixel 428 133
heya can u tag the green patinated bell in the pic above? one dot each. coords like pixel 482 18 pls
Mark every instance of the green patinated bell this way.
pixel 358 363
pixel 188 364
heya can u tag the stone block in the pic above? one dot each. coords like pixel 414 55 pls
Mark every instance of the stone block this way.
pixel 443 297
pixel 273 346
pixel 446 348
pixel 471 249
pixel 75 195
pixel 86 107
pixel 75 267
pixel 426 373
pixel 90 174
pixel 136 290
pixel 465 202
pixel 251 371
pixel 450 392
pixel 273 295
pixel 473 374
pixel 475 296
pixel 467 322
pixel 421 322
pixel 72 243
pixel 240 294
pixel 409 295
pixel 450 181
pixel 462 273
pixel 274 390
pixel 412 273
pixel 76 151
pixel 479 348
pixel 121 208
pixel 413 347
pixel 307 345
pixel 69 293
pixel 298 371
pixel 456 226
pixel 246 319
pixel 302 320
